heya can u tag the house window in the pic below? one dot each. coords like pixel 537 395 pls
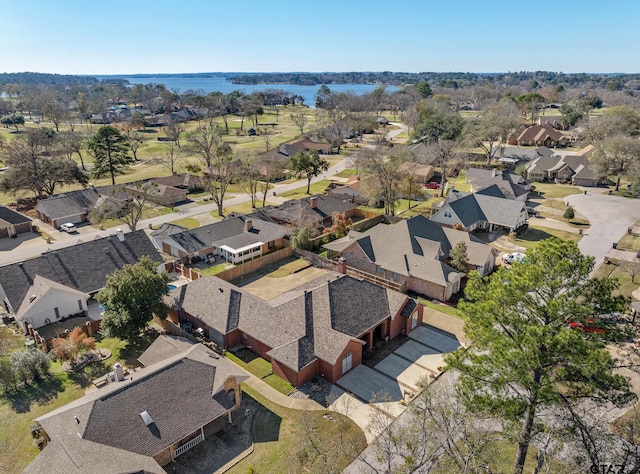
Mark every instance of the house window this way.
pixel 447 214
pixel 79 305
pixel 414 320
pixel 270 245
pixel 245 336
pixel 57 312
pixel 395 277
pixel 347 362
pixel 379 269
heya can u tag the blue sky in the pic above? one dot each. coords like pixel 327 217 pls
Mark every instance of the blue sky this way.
pixel 139 36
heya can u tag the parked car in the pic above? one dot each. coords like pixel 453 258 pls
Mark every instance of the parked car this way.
pixel 432 185
pixel 514 257
pixel 69 228
pixel 533 212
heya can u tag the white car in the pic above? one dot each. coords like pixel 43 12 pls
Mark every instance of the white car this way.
pixel 514 257
pixel 69 228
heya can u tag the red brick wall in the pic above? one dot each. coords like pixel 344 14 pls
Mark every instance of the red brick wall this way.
pixel 333 373
pixel 233 339
pixel 257 347
pixel 429 289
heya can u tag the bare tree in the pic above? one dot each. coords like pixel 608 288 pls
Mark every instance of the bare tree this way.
pixel 300 121
pixel 171 158
pixel 215 160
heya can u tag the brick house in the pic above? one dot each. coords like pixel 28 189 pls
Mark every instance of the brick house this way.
pixel 538 135
pixel 143 422
pixel 318 330
pixel 414 254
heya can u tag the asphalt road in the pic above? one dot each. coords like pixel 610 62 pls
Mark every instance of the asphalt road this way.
pixel 9 253
pixel 610 217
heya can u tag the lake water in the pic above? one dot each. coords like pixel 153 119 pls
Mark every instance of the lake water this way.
pixel 221 84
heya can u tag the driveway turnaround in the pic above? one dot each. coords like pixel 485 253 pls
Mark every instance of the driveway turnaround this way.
pixel 436 338
pixel 610 217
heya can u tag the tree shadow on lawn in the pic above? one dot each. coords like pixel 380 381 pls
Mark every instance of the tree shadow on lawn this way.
pixel 266 425
pixel 89 373
pixel 39 393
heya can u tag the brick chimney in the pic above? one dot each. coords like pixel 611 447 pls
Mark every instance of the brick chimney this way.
pixel 342 266
pixel 313 202
pixel 248 225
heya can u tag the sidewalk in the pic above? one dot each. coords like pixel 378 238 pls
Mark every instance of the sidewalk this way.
pixel 281 399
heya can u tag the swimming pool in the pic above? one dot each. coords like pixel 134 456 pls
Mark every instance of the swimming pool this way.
pixel 171 287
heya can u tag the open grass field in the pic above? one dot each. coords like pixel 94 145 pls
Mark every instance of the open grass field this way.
pixel 188 222
pixel 275 127
pixel 629 242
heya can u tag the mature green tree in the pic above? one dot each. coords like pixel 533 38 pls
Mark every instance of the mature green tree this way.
pixel 525 357
pixel 489 132
pixel 131 297
pixel 215 160
pixel 12 121
pixel 459 257
pixel 530 104
pixel 310 164
pixel 434 125
pixel 36 163
pixel 301 238
pixel 570 115
pixel 110 149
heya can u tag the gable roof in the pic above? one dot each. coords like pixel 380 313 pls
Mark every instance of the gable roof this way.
pixel 414 247
pixel 302 325
pixel 68 204
pixel 164 347
pixel 540 133
pixel 299 212
pixel 495 210
pixel 226 232
pixel 181 394
pixel 12 217
pixel 84 266
pixel 40 287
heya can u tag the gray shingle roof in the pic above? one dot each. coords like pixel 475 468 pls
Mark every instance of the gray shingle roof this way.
pixel 164 347
pixel 478 207
pixel 11 216
pixel 226 231
pixel 415 247
pixel 68 204
pixel 110 435
pixel 84 266
pixel 300 326
pixel 299 212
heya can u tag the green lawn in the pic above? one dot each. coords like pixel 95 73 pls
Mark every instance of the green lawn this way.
pixel 281 440
pixel 535 235
pixel 614 270
pixel 552 190
pixel 259 367
pixel 347 173
pixel 443 308
pixel 300 193
pixel 215 269
pixel 629 242
pixel 188 222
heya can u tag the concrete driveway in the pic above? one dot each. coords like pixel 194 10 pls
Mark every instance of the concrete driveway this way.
pixel 610 217
pixel 435 338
